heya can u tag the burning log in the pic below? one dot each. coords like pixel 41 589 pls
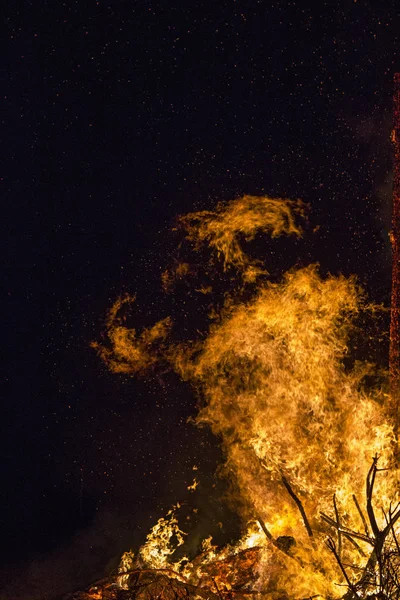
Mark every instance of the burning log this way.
pixel 284 543
pixel 232 574
pixel 145 585
pixel 227 579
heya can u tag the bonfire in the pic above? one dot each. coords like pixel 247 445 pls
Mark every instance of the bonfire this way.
pixel 309 445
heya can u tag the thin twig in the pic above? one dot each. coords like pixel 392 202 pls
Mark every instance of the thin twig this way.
pixel 265 530
pixel 345 531
pixel 354 543
pixel 299 505
pixel 338 527
pixel 370 487
pixel 395 538
pixel 360 512
pixel 331 545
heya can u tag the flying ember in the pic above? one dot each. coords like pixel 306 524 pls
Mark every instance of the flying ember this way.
pixel 308 443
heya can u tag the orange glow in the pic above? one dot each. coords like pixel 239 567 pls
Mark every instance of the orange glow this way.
pixel 295 423
pixel 394 354
pixel 128 352
pixel 223 229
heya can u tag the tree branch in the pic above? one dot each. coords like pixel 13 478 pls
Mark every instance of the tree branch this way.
pixel 299 505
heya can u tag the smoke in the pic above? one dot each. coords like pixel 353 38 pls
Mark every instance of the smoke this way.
pixel 85 559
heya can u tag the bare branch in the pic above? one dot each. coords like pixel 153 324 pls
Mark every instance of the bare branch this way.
pixel 299 505
pixel 265 529
pixel 363 519
pixel 370 487
pixel 273 541
pixel 347 532
pixel 396 541
pixel 331 545
pixel 338 527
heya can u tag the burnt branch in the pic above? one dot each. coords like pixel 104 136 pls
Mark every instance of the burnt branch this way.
pixel 332 547
pixel 370 488
pixel 273 541
pixel 363 519
pixel 339 531
pixel 267 532
pixel 347 533
pixel 299 505
pixel 382 570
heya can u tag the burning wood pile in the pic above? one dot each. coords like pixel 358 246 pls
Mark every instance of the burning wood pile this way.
pixel 228 578
pixel 233 573
pixel 298 421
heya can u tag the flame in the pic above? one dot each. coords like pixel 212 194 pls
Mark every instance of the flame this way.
pixel 159 545
pixel 298 426
pixel 193 486
pixel 126 565
pixel 128 352
pixel 223 229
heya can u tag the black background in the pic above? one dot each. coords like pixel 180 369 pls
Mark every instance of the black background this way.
pixel 119 116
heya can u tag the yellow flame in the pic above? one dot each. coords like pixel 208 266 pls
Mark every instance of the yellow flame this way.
pixel 193 486
pixel 224 229
pixel 125 351
pixel 162 541
pixel 126 565
pixel 291 416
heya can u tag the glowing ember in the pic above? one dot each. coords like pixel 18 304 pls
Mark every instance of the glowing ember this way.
pixel 395 239
pixel 299 429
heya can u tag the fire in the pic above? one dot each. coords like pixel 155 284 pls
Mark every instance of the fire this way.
pixel 193 486
pixel 158 548
pixel 129 352
pixel 299 427
pixel 243 218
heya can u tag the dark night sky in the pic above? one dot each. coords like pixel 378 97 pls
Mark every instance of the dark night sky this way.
pixel 119 116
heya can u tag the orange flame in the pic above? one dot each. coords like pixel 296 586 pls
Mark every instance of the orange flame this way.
pixel 290 415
